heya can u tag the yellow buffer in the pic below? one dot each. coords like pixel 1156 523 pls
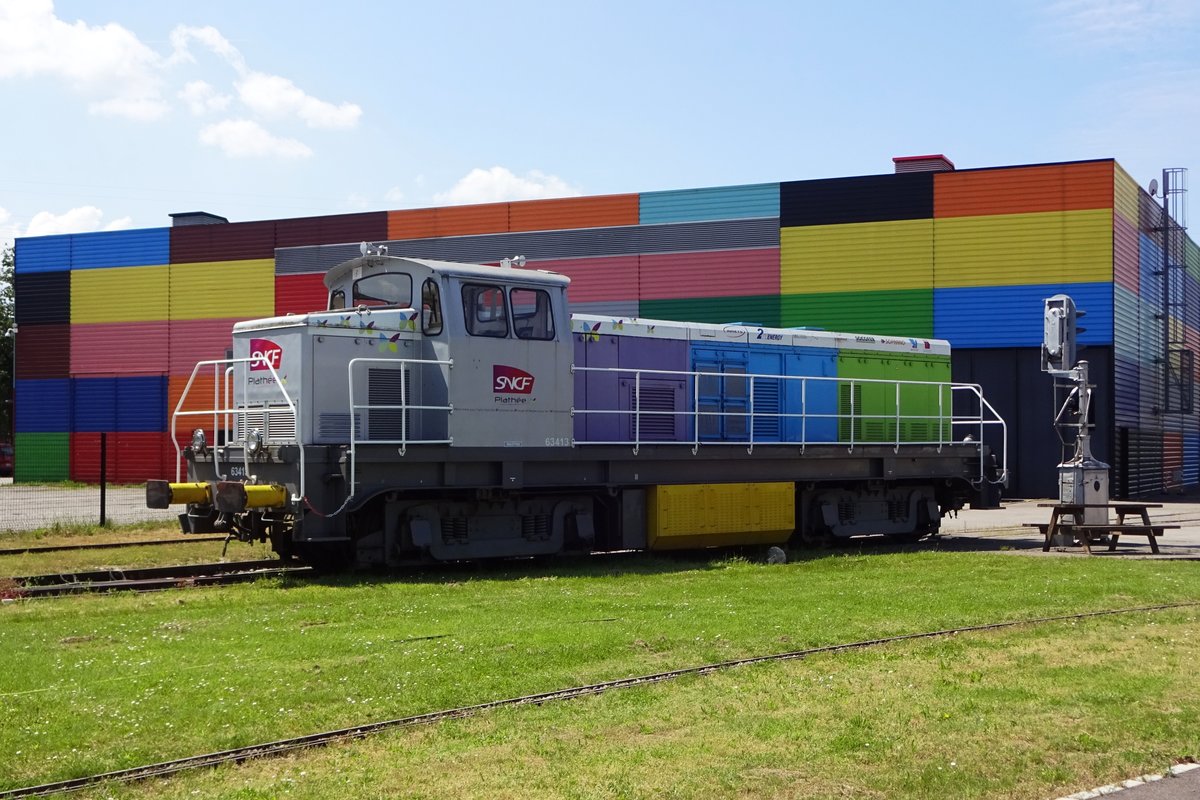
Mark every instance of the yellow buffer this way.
pixel 683 517
pixel 223 289
pixel 856 256
pixel 119 294
pixel 1018 249
pixel 162 494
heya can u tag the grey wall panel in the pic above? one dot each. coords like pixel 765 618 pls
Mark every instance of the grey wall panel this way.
pixel 588 242
pixel 622 309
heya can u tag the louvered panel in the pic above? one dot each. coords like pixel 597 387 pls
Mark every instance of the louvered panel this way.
pixel 277 426
pixel 759 310
pixel 1126 259
pixel 1145 468
pixel 1050 247
pixel 1011 316
pixel 657 403
pixel 196 340
pixel 43 298
pixel 1192 258
pixel 1151 335
pixel 119 403
pixel 43 351
pixel 573 212
pixel 132 457
pixel 121 294
pixel 42 254
pixel 41 457
pixel 722 202
pixel 119 348
pixel 354 228
pixel 767 407
pixel 1125 195
pixel 879 256
pixel 596 280
pixel 870 198
pixel 1150 270
pixel 895 313
pixel 136 248
pixel 319 259
pixel 448 221
pixel 390 387
pixel 1126 395
pixel 1191 459
pixel 222 289
pixel 720 273
pixel 223 242
pixel 1126 324
pixel 1023 190
pixel 42 405
pixel 300 294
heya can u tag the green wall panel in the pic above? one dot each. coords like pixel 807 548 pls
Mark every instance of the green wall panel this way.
pixel 42 457
pixel 758 309
pixel 906 312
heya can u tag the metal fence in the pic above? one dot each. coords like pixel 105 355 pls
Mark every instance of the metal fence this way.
pixel 31 506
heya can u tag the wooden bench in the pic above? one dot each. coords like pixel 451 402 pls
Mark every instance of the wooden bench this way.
pixel 1066 518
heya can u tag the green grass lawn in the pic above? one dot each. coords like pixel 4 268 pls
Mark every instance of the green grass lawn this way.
pixel 96 683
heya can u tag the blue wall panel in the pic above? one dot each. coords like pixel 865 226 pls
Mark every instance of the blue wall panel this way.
pixel 43 254
pixel 1011 316
pixel 1150 267
pixel 121 248
pixel 724 202
pixel 43 406
pixel 119 404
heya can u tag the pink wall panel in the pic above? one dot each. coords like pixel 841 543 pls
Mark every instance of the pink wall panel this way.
pixel 718 273
pixel 300 294
pixel 1125 253
pixel 119 348
pixel 597 279
pixel 195 340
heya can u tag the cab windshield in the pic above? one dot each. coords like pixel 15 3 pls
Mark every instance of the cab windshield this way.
pixel 384 289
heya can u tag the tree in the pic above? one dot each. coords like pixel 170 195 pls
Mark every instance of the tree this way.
pixel 8 339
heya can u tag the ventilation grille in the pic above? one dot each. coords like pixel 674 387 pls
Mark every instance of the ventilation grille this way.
pixel 766 409
pixel 659 425
pixel 277 425
pixel 384 389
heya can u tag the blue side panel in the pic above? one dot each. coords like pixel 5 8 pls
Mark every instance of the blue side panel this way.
pixel 138 248
pixel 1150 267
pixel 722 202
pixel 119 404
pixel 43 254
pixel 1011 316
pixel 43 406
pixel 817 400
pixel 95 405
pixel 724 395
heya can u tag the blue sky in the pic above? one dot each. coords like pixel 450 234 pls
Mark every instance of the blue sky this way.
pixel 118 113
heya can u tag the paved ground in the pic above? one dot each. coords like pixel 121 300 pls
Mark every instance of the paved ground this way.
pixel 29 507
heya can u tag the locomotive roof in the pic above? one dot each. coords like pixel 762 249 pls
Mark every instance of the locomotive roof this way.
pixel 337 274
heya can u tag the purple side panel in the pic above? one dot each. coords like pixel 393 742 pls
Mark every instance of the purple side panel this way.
pixel 654 354
pixel 599 389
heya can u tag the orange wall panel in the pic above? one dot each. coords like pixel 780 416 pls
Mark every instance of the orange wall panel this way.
pixel 573 212
pixel 1023 190
pixel 425 223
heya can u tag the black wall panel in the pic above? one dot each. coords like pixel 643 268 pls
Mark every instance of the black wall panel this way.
pixel 43 298
pixel 871 198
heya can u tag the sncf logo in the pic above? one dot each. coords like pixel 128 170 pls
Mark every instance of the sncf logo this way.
pixel 510 380
pixel 264 352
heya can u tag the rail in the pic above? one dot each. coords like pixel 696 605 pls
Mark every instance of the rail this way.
pixel 734 418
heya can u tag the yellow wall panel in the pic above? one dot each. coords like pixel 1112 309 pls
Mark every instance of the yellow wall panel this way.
pixel 1014 249
pixel 228 289
pixel 1125 195
pixel 856 256
pixel 119 294
pixel 681 517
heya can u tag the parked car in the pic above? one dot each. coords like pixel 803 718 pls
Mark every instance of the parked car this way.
pixel 6 460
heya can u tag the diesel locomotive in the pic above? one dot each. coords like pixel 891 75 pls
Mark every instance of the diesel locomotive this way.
pixel 437 411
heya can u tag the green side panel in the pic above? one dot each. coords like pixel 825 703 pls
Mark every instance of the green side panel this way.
pixel 869 410
pixel 41 457
pixel 902 312
pixel 758 309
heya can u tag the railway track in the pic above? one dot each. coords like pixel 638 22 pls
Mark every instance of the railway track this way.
pixel 59 548
pixel 283 746
pixel 148 579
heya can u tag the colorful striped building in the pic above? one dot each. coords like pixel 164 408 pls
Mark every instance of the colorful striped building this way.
pixel 110 324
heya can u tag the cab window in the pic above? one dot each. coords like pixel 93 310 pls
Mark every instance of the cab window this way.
pixel 431 308
pixel 337 300
pixel 531 314
pixel 484 310
pixel 384 289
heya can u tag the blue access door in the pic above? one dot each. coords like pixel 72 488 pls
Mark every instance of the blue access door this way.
pixel 722 393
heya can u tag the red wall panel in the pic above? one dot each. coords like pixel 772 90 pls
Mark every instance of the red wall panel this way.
pixel 222 242
pixel 717 273
pixel 131 457
pixel 194 340
pixel 573 212
pixel 119 348
pixel 43 351
pixel 300 294
pixel 1021 190
pixel 596 279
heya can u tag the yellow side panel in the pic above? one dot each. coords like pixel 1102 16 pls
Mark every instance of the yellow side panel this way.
pixel 216 289
pixel 862 255
pixel 682 517
pixel 119 294
pixel 1125 195
pixel 1015 249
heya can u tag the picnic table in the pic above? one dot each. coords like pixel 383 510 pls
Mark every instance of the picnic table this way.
pixel 1067 519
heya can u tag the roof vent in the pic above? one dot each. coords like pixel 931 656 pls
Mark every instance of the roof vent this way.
pixel 934 163
pixel 195 218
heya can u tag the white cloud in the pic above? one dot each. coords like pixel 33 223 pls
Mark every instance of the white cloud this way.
pixel 211 38
pixel 202 98
pixel 106 62
pixel 394 195
pixel 1130 24
pixel 498 184
pixel 84 219
pixel 273 96
pixel 243 138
